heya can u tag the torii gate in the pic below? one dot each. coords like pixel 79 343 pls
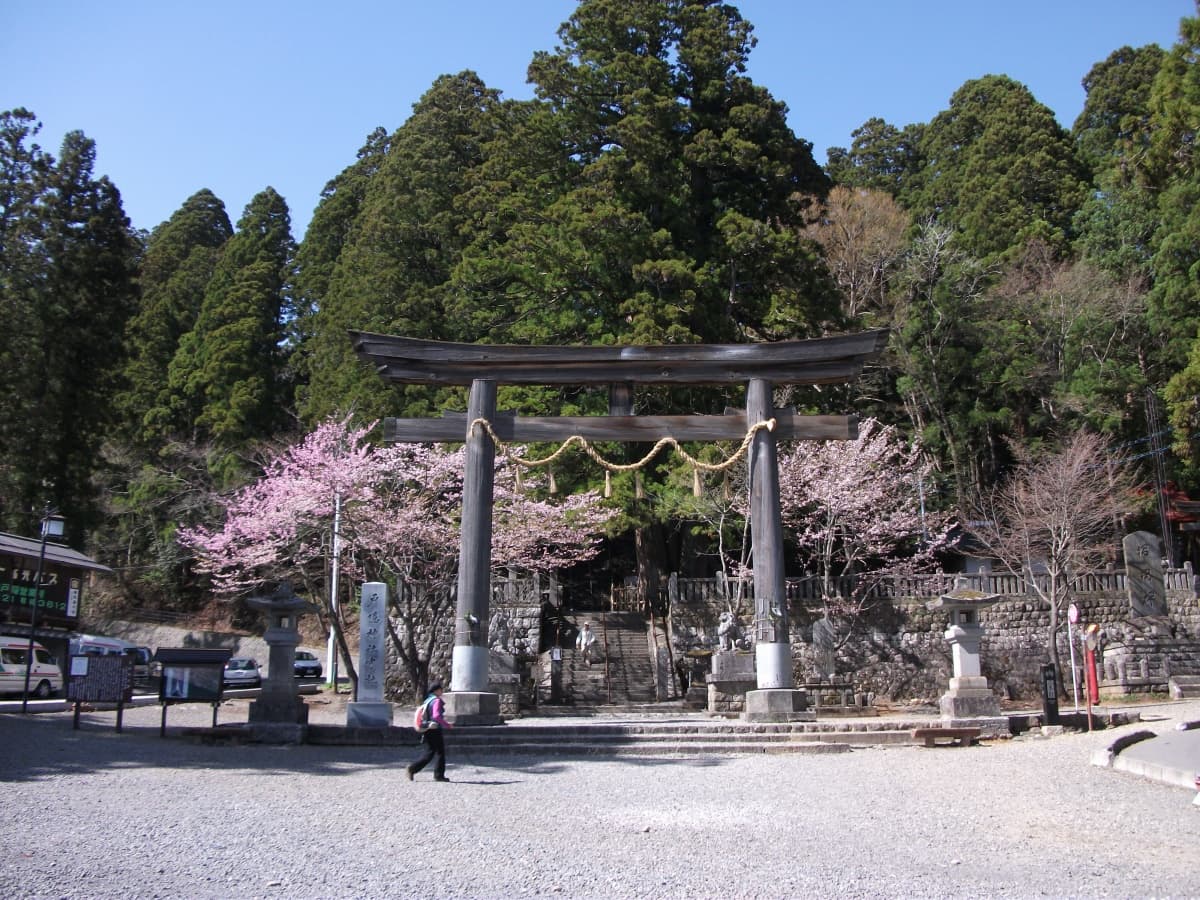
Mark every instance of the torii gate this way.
pixel 830 360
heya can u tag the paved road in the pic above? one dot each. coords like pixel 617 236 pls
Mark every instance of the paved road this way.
pixel 94 813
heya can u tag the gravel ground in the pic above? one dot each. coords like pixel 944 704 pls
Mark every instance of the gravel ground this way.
pixel 94 813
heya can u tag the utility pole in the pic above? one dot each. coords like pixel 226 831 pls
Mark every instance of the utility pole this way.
pixel 331 648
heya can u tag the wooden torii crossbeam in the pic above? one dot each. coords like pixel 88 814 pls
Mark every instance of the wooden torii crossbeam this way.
pixel 831 360
pixel 828 360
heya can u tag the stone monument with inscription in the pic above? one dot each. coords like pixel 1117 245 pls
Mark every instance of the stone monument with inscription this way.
pixel 824 646
pixel 1144 574
pixel 370 710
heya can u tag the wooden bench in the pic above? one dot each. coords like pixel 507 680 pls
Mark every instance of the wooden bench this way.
pixel 949 737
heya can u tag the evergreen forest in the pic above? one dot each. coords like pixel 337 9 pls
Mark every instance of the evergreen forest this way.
pixel 1036 281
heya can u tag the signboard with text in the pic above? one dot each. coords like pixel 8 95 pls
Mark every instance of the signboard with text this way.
pixel 100 679
pixel 56 597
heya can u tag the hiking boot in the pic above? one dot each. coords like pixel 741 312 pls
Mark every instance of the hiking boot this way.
pixel 408 773
pixel 441 778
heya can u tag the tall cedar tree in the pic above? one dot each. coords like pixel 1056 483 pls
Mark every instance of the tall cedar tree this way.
pixel 23 168
pixel 674 217
pixel 881 157
pixel 323 360
pixel 1112 129
pixel 673 221
pixel 154 481
pixel 227 377
pixel 998 168
pixel 68 291
pixel 1173 165
pixel 391 271
pixel 180 258
pixel 1117 222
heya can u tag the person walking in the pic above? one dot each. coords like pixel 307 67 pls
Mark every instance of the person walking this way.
pixel 585 643
pixel 432 737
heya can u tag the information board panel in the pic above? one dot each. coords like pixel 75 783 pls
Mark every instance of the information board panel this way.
pixel 100 679
pixel 191 683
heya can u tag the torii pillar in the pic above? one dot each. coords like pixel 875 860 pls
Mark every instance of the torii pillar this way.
pixel 469 701
pixel 776 699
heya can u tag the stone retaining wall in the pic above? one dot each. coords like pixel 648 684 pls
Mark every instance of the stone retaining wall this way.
pixel 897 650
pixel 514 633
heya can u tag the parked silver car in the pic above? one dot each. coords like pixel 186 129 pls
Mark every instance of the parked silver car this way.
pixel 307 665
pixel 242 672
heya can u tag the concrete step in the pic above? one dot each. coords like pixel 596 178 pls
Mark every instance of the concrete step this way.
pixel 695 736
pixel 645 749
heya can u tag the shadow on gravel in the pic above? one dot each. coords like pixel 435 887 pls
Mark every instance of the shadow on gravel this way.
pixel 33 748
pixel 550 765
pixel 38 747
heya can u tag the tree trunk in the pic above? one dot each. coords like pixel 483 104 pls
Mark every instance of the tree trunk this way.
pixel 651 557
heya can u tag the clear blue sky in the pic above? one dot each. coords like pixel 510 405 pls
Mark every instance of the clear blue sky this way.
pixel 235 95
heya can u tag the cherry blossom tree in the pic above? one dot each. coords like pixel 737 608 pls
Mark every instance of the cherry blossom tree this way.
pixel 1056 515
pixel 398 510
pixel 852 510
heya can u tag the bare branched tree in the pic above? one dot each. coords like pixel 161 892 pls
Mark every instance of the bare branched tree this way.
pixel 1057 515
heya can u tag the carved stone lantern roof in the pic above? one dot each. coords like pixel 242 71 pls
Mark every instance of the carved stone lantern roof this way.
pixel 963 599
pixel 282 600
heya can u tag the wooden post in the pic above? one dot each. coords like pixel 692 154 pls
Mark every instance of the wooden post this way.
pixel 469 667
pixel 772 646
pixel 620 399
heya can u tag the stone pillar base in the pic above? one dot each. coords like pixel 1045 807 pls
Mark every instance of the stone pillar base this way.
pixel 989 726
pixel 773 663
pixel 275 709
pixel 969 697
pixel 472 708
pixel 728 697
pixel 778 705
pixel 277 733
pixel 366 714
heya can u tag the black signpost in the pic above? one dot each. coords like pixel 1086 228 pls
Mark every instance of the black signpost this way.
pixel 100 679
pixel 1049 694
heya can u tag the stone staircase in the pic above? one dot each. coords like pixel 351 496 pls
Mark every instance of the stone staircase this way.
pixel 622 672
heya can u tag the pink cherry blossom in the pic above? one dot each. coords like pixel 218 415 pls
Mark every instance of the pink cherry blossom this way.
pixel 400 510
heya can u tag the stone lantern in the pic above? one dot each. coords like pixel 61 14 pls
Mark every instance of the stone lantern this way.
pixel 280 713
pixel 969 695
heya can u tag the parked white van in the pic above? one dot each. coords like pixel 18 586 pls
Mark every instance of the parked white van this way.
pixel 45 677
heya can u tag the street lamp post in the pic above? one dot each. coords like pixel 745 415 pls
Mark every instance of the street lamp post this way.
pixel 52 526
